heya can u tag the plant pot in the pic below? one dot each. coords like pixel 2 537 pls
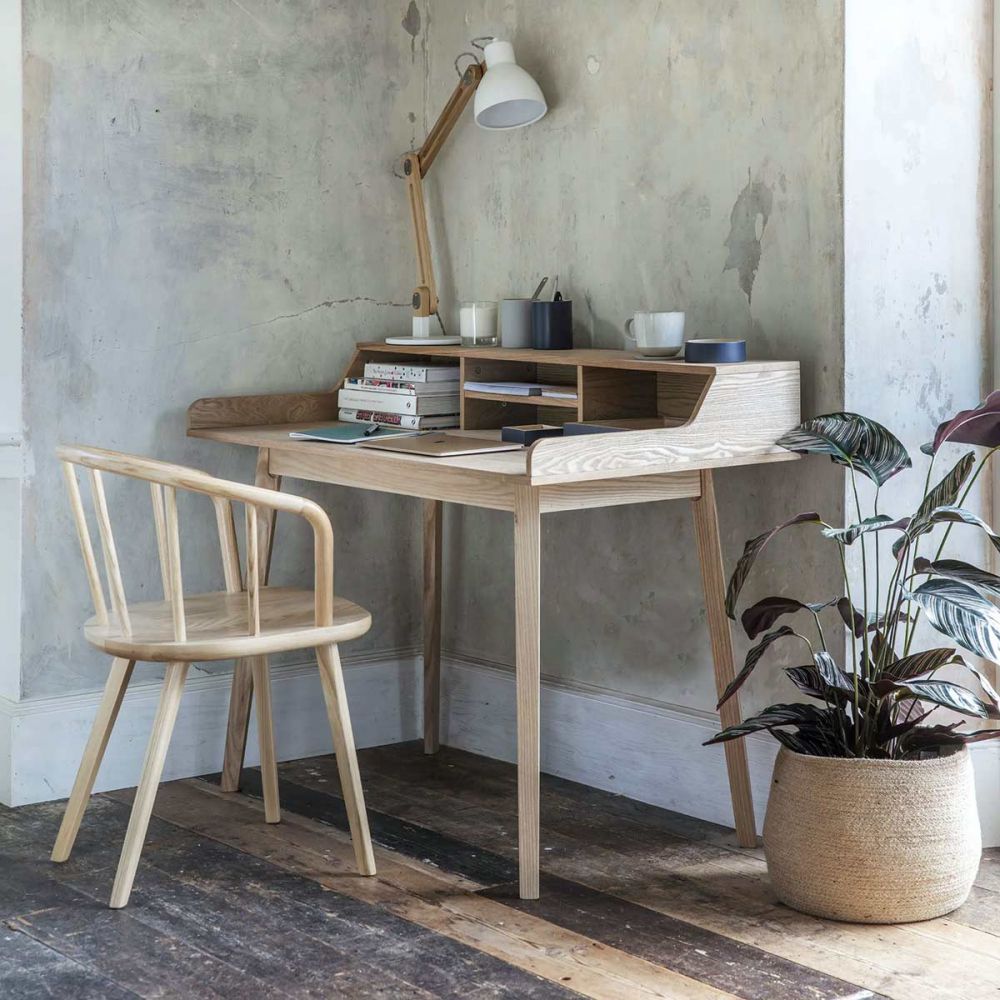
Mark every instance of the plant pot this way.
pixel 872 841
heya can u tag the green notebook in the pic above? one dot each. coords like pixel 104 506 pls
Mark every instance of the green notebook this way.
pixel 349 433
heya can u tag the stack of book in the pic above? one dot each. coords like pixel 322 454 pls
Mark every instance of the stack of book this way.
pixel 417 397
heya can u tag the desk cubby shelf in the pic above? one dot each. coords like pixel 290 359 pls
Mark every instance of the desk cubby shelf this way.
pixel 686 416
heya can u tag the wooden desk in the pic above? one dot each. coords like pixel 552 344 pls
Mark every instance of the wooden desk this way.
pixel 711 417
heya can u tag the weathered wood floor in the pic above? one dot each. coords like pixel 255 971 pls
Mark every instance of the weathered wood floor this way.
pixel 636 902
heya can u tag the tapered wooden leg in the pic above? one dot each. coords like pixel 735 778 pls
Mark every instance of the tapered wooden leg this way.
pixel 265 737
pixel 152 769
pixel 332 678
pixel 241 696
pixel 93 754
pixel 527 589
pixel 432 625
pixel 706 524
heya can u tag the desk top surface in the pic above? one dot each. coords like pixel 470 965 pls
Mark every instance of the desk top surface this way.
pixel 505 464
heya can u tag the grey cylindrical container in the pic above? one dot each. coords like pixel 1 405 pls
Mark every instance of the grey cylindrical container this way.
pixel 552 325
pixel 515 323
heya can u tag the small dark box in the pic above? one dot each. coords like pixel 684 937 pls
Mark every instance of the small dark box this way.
pixel 529 433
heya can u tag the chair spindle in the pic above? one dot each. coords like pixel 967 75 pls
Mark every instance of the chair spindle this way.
pixel 160 523
pixel 86 546
pixel 175 580
pixel 252 575
pixel 111 567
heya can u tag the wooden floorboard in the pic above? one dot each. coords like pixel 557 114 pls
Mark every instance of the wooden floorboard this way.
pixel 701 877
pixel 636 903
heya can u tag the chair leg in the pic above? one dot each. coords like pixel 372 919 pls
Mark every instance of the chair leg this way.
pixel 332 678
pixel 265 737
pixel 93 754
pixel 152 769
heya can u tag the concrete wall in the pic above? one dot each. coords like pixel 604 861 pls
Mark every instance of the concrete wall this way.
pixel 917 154
pixel 11 266
pixel 210 210
pixel 690 160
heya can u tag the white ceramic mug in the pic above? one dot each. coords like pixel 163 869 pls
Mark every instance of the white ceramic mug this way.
pixel 659 334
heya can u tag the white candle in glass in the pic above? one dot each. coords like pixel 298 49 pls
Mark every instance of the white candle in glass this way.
pixel 478 324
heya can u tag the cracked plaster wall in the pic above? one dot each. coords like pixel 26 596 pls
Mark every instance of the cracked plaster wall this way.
pixel 690 160
pixel 210 210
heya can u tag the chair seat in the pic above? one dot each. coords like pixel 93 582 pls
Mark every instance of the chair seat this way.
pixel 217 627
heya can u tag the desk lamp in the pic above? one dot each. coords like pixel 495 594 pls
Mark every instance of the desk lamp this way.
pixel 506 97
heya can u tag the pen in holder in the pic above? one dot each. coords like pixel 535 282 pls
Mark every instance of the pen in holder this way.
pixel 552 324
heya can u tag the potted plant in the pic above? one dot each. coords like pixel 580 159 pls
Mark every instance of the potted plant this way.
pixel 872 813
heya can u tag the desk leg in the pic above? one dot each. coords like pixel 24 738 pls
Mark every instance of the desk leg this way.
pixel 241 696
pixel 706 523
pixel 432 625
pixel 527 583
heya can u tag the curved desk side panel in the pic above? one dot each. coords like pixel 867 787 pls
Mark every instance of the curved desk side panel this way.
pixel 742 413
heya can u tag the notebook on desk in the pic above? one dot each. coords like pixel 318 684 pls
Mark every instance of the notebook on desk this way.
pixel 349 433
pixel 440 445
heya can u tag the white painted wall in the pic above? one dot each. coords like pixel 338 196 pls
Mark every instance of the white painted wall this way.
pixel 11 270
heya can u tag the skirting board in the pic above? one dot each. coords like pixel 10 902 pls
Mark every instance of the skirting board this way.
pixel 45 737
pixel 649 751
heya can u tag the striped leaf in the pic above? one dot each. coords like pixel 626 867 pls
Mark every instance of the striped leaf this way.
pixel 945 493
pixel 948 695
pixel 979 426
pixel 917 664
pixel 944 515
pixel 831 674
pixel 752 549
pixel 962 614
pixel 807 680
pixel 852 440
pixel 766 612
pixel 753 658
pixel 853 532
pixel 771 718
pixel 955 569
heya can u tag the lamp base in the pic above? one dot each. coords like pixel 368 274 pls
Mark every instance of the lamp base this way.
pixel 425 341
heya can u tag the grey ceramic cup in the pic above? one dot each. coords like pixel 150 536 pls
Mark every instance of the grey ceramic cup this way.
pixel 515 323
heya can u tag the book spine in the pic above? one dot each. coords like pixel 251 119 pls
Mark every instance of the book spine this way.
pixel 410 373
pixel 385 401
pixel 353 416
pixel 385 385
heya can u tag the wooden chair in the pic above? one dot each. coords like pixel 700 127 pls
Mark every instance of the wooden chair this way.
pixel 244 620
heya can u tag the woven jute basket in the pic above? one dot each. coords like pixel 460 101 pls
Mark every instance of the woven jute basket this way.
pixel 872 841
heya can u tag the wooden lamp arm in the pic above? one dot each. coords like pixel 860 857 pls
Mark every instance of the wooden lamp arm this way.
pixel 415 167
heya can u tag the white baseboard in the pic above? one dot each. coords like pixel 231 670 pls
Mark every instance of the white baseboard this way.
pixel 650 751
pixel 46 736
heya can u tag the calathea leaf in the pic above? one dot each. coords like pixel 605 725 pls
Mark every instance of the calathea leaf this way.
pixel 918 664
pixel 765 613
pixel 945 494
pixel 807 680
pixel 751 550
pixel 850 534
pixel 979 426
pixel 857 622
pixel 962 614
pixel 852 440
pixel 753 657
pixel 948 695
pixel 955 569
pixel 944 515
pixel 771 718
pixel 984 683
pixel 831 674
pixel 934 737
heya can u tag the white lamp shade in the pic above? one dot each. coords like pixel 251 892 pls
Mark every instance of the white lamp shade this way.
pixel 507 96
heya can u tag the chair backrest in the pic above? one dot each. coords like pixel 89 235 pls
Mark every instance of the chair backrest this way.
pixel 164 480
